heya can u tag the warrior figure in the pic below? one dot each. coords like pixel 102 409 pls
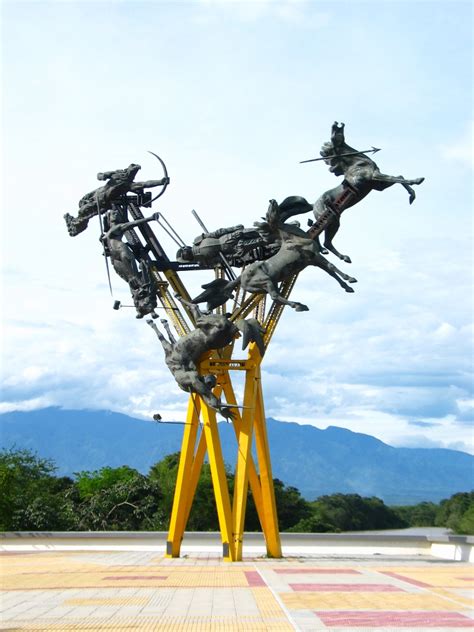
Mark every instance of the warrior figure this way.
pixel 124 263
pixel 213 331
pixel 118 184
pixel 361 176
pixel 239 245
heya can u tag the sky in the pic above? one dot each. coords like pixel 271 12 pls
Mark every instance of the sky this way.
pixel 232 95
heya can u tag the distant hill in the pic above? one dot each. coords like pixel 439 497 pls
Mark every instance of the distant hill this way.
pixel 315 461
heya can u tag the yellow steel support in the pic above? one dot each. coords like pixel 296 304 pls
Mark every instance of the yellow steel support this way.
pixel 251 421
pixel 179 512
pixel 272 534
pixel 231 518
pixel 219 482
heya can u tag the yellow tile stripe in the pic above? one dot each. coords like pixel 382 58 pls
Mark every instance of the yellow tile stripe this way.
pixel 111 601
pixel 366 601
pixel 439 577
pixel 168 624
pixel 452 595
pixel 270 609
pixel 106 579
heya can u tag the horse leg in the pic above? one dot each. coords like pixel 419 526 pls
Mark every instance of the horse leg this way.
pixel 331 269
pixel 276 296
pixel 322 250
pixel 330 233
pixel 165 324
pixel 167 346
pixel 384 181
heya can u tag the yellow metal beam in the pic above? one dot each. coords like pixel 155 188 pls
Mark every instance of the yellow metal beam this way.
pixel 272 534
pixel 179 512
pixel 244 441
pixel 219 481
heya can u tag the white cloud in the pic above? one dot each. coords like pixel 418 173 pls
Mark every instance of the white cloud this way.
pixel 300 13
pixel 26 405
pixel 462 149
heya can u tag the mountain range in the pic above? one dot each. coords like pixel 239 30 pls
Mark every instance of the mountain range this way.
pixel 315 461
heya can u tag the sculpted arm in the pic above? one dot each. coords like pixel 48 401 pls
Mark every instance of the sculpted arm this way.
pixel 137 187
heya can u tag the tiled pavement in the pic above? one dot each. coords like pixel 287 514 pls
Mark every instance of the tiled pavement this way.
pixel 145 591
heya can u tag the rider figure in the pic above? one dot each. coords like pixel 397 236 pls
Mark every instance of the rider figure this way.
pixel 118 184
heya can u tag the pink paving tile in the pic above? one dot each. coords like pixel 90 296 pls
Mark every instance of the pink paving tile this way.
pixel 254 578
pixel 345 588
pixel 408 580
pixel 135 577
pixel 358 619
pixel 319 571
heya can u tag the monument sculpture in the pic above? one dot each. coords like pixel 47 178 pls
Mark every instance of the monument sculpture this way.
pixel 201 353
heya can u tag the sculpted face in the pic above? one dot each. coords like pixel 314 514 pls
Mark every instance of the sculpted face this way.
pixel 114 216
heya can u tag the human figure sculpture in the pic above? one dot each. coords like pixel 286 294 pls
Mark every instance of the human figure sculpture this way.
pixel 239 245
pixel 118 184
pixel 213 331
pixel 361 176
pixel 124 262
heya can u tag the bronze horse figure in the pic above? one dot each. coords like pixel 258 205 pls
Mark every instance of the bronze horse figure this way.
pixel 361 176
pixel 213 331
pixel 297 252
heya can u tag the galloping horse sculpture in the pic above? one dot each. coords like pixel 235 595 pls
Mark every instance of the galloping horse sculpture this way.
pixel 361 176
pixel 297 252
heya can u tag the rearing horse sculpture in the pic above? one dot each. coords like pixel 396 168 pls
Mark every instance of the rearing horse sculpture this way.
pixel 361 176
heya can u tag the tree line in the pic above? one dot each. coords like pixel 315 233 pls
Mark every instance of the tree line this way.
pixel 34 498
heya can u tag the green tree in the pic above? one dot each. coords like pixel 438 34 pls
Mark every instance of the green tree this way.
pixel 420 515
pixel 89 483
pixel 466 522
pixel 31 496
pixel 291 506
pixel 452 510
pixel 116 499
pixel 351 512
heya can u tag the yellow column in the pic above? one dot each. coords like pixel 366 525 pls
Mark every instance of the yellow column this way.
pixel 270 526
pixel 219 482
pixel 252 470
pixel 180 501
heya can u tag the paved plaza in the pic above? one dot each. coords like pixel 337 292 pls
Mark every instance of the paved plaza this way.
pixel 113 590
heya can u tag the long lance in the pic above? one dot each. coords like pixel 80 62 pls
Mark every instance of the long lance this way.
pixel 374 150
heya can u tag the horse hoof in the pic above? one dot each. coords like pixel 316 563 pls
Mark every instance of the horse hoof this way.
pixel 352 280
pixel 346 259
pixel 349 289
pixel 299 307
pixel 324 251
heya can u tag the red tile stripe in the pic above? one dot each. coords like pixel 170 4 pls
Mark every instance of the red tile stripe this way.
pixel 254 578
pixel 345 588
pixel 409 580
pixel 135 577
pixel 319 571
pixel 351 618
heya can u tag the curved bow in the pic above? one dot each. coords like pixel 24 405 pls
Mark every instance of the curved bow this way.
pixel 166 175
